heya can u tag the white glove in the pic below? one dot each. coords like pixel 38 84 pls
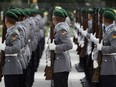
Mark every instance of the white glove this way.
pixel 81 43
pixel 99 46
pixel 77 25
pixel 94 55
pixel 84 33
pixel 81 29
pixel 75 34
pixel 89 47
pixel 94 39
pixel 95 64
pixel 52 46
pixel 48 62
pixel 2 46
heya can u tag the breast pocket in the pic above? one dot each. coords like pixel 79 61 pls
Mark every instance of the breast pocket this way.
pixel 107 65
pixel 59 56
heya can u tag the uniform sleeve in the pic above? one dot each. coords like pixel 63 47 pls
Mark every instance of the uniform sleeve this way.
pixel 22 36
pixel 111 48
pixel 66 43
pixel 15 44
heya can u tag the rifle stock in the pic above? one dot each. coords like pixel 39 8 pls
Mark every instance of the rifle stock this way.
pixel 80 21
pixel 85 26
pixel 96 74
pixel 49 69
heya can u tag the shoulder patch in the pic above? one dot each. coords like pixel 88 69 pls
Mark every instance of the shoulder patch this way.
pixel 114 35
pixel 14 37
pixel 63 32
pixel 14 34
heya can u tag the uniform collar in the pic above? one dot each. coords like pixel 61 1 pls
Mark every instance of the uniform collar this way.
pixel 62 25
pixel 108 27
pixel 9 29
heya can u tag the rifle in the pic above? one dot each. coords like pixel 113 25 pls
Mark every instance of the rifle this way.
pixel 2 54
pixel 79 21
pixel 85 26
pixel 98 35
pixel 49 69
pixel 75 40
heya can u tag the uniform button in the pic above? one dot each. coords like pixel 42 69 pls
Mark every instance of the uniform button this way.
pixel 105 60
pixel 57 58
pixel 8 60
pixel 29 40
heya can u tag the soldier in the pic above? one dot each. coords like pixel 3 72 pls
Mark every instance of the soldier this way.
pixel 108 49
pixel 21 30
pixel 88 67
pixel 67 20
pixel 30 44
pixel 41 36
pixel 62 63
pixel 12 69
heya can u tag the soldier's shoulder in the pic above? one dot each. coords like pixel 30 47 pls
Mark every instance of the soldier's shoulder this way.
pixel 62 27
pixel 14 31
pixel 14 34
pixel 113 33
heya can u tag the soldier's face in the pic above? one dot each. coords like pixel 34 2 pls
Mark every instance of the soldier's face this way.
pixel 54 20
pixel 90 17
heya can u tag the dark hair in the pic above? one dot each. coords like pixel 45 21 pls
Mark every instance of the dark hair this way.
pixel 11 20
pixel 108 20
pixel 60 19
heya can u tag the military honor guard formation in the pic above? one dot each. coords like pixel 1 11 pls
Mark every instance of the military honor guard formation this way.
pixel 23 43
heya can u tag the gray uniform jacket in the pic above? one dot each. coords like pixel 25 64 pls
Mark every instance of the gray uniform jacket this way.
pixel 26 50
pixel 108 65
pixel 63 43
pixel 21 30
pixel 13 46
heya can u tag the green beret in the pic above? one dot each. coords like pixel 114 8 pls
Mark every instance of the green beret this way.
pixel 110 9
pixel 101 10
pixel 39 11
pixel 59 13
pixel 109 15
pixel 65 12
pixel 11 15
pixel 33 11
pixel 90 11
pixel 28 11
pixel 82 9
pixel 21 11
pixel 36 11
pixel 16 12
